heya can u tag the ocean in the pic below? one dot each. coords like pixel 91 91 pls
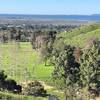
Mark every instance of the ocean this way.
pixel 51 17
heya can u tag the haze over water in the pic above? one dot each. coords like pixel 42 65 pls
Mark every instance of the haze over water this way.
pixel 51 17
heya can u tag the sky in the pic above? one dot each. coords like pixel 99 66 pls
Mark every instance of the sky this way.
pixel 50 7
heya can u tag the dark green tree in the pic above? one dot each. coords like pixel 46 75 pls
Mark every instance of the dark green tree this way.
pixel 90 68
pixel 2 79
pixel 47 47
pixel 67 70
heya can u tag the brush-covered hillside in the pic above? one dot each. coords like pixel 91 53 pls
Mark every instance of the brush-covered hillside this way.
pixel 80 36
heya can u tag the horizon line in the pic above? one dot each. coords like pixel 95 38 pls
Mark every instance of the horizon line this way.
pixel 49 14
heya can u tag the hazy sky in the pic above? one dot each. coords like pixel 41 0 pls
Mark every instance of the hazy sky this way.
pixel 66 7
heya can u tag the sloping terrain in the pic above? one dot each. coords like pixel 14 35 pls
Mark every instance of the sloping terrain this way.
pixel 79 37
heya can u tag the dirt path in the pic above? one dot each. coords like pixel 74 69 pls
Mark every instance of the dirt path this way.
pixel 46 87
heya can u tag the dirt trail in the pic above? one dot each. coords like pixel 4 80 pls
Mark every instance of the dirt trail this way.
pixel 46 87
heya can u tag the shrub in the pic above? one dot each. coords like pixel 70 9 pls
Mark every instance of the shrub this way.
pixel 9 84
pixel 12 86
pixel 2 79
pixel 34 88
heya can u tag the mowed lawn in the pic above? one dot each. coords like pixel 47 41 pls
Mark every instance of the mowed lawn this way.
pixel 22 63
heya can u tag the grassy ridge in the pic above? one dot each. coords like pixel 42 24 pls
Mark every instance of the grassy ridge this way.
pixel 78 31
pixel 79 36
pixel 81 39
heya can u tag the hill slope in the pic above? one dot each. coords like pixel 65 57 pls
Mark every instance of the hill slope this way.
pixel 79 36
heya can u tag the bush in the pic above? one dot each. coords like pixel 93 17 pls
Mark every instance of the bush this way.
pixel 2 80
pixel 34 88
pixel 12 86
pixel 9 84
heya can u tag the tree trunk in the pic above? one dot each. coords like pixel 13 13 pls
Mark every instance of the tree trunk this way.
pixel 66 96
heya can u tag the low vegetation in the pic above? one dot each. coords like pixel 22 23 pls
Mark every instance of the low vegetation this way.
pixel 69 61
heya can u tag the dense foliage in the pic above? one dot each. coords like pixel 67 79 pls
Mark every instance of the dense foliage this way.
pixel 34 88
pixel 9 84
pixel 76 68
pixel 90 67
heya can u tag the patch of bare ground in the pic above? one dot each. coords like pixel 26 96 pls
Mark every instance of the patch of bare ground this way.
pixel 46 86
pixel 98 98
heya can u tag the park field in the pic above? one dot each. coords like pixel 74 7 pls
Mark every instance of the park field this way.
pixel 22 63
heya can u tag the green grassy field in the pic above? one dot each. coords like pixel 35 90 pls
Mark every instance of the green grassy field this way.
pixel 23 63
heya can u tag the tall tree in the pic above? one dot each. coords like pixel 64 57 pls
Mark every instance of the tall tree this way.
pixel 90 67
pixel 67 69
